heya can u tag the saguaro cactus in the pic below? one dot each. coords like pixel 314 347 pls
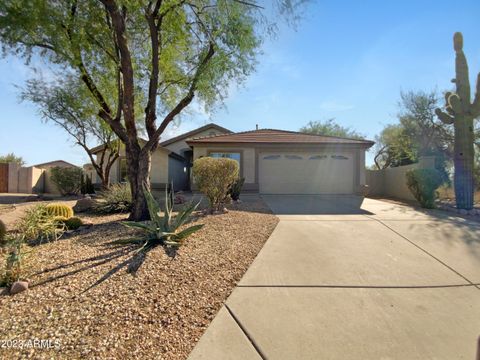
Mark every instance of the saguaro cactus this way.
pixel 461 112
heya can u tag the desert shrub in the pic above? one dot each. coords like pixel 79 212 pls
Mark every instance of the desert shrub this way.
pixel 214 178
pixel 423 184
pixel 3 232
pixel 236 188
pixel 86 186
pixel 116 199
pixel 73 223
pixel 164 230
pixel 39 224
pixel 67 179
pixel 61 210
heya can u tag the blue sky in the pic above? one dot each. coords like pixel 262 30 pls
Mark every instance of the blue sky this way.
pixel 347 59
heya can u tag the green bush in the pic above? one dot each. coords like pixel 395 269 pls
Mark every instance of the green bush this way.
pixel 214 178
pixel 73 223
pixel 164 230
pixel 61 210
pixel 423 184
pixel 39 224
pixel 236 189
pixel 116 199
pixel 67 179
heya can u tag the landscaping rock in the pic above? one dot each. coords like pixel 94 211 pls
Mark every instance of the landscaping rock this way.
pixel 18 287
pixel 169 302
pixel 84 204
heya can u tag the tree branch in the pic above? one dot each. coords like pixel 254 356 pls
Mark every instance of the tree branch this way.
pixel 118 22
pixel 186 100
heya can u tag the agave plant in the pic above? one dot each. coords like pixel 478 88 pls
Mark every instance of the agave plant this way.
pixel 165 229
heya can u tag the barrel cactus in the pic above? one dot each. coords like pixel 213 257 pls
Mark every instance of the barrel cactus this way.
pixel 461 112
pixel 73 223
pixel 60 210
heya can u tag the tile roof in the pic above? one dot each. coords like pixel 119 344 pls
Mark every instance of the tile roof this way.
pixel 273 136
pixel 193 132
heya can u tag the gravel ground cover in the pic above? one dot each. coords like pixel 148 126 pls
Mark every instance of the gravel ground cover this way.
pixel 158 312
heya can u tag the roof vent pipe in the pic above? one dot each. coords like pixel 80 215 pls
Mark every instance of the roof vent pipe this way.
pixel 257 126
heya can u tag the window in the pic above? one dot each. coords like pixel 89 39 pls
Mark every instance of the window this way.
pixel 123 170
pixel 317 157
pixel 271 157
pixel 229 155
pixel 293 157
pixel 339 157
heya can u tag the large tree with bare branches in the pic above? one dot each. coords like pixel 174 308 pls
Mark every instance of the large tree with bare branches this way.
pixel 161 54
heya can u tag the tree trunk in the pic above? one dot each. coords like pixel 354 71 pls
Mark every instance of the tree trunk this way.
pixel 138 171
pixel 106 182
pixel 464 160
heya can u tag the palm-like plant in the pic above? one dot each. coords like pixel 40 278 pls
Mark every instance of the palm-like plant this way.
pixel 164 230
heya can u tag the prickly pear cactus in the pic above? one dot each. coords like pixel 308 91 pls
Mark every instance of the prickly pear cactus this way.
pixel 461 112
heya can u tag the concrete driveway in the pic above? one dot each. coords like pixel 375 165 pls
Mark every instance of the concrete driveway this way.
pixel 343 277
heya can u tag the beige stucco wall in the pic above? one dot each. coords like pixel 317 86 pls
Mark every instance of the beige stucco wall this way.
pixel 38 178
pixel 13 169
pixel 180 145
pixel 159 171
pixel 159 167
pixel 247 158
pixel 24 181
pixel 28 180
pixel 392 182
pixel 361 166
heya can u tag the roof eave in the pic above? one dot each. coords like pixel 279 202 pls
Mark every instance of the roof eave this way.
pixel 366 144
pixel 193 132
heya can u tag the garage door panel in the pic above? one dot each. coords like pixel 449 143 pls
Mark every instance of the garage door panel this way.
pixel 306 173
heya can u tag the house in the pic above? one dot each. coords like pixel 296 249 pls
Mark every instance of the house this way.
pixel 271 161
pixel 171 162
pixel 288 162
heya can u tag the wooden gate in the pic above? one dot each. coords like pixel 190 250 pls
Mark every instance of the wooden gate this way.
pixel 3 178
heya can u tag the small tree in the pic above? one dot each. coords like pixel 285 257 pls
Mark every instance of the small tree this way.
pixel 67 179
pixel 214 178
pixel 12 158
pixel 330 128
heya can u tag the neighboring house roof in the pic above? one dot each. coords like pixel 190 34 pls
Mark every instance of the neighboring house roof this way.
pixel 192 133
pixel 273 136
pixel 99 148
pixel 53 162
pixel 180 137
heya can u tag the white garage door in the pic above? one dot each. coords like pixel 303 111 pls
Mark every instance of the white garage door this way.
pixel 306 173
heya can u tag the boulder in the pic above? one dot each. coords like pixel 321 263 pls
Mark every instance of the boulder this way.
pixel 84 204
pixel 18 287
